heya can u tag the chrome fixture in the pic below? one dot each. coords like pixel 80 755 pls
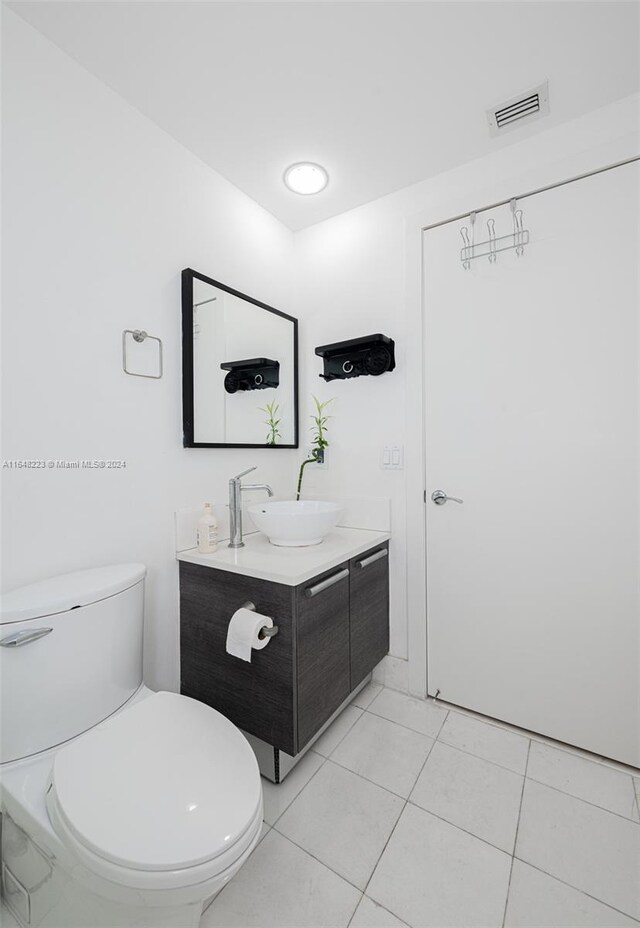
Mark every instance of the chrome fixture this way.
pixel 440 498
pixel 326 583
pixel 18 639
pixel 518 238
pixel 139 336
pixel 267 631
pixel 235 505
pixel 384 552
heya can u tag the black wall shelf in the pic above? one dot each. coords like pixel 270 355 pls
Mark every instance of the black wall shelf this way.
pixel 251 374
pixel 370 355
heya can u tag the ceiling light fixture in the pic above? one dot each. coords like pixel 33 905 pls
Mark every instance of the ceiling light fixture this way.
pixel 306 178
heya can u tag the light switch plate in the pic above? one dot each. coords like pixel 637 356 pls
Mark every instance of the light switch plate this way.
pixel 392 457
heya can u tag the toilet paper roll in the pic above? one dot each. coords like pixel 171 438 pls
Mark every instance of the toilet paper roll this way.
pixel 243 631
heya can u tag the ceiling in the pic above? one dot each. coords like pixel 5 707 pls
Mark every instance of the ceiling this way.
pixel 383 94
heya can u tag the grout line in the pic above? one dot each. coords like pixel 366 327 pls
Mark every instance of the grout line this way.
pixel 424 764
pixel 384 908
pixel 229 882
pixel 515 840
pixel 625 818
pixel 371 701
pixel 576 889
pixel 518 773
pixel 301 790
pixel 317 859
pixel 459 828
pixel 585 801
pixel 539 738
pixel 402 811
pixel 369 780
pixel 354 911
pixel 454 747
pixel 336 746
pixel 406 727
pixel 386 843
pixel 364 708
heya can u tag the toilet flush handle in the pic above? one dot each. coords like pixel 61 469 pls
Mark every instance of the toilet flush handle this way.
pixel 25 637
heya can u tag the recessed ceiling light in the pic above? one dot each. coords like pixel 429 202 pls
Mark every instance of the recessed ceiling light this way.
pixel 306 178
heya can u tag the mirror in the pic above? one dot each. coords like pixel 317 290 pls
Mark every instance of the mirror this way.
pixel 239 369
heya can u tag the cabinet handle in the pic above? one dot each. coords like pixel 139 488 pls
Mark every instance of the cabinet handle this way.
pixel 372 558
pixel 325 584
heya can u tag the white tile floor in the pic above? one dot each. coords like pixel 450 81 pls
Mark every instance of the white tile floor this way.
pixel 408 815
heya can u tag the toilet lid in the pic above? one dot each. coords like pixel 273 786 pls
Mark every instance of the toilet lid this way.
pixel 167 784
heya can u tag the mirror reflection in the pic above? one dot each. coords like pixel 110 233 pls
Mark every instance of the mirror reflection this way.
pixel 239 368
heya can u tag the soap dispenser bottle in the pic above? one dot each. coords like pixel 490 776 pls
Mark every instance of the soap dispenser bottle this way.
pixel 207 531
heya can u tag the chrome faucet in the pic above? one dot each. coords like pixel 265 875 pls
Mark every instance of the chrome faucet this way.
pixel 235 505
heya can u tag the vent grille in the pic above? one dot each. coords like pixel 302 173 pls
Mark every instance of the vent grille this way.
pixel 519 110
pixel 523 108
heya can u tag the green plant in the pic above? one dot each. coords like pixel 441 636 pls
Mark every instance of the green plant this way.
pixel 271 410
pixel 319 438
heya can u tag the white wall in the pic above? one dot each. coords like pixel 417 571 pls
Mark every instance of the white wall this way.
pixel 360 273
pixel 102 210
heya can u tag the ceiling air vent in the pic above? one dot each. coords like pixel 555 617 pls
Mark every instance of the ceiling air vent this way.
pixel 519 110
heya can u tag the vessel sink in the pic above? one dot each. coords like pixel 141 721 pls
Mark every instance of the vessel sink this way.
pixel 294 524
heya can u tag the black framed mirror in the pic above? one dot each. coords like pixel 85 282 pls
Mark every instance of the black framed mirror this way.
pixel 239 369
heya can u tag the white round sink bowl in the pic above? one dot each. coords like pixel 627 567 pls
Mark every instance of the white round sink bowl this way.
pixel 294 524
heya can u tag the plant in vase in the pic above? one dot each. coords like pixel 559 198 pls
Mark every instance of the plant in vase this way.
pixel 272 421
pixel 319 440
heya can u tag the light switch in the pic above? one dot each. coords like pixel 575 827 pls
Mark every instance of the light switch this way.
pixel 392 457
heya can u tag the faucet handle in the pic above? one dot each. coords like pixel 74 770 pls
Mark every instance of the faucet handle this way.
pixel 245 472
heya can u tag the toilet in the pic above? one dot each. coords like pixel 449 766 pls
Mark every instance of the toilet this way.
pixel 121 806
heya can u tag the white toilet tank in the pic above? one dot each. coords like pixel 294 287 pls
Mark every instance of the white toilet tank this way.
pixel 70 655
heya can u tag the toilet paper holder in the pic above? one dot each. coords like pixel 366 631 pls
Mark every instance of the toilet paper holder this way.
pixel 265 631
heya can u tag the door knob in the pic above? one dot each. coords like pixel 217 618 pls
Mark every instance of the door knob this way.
pixel 440 498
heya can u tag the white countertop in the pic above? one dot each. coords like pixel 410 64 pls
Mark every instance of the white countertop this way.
pixel 290 566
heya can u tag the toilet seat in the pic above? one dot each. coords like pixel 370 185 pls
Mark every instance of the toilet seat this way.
pixel 166 793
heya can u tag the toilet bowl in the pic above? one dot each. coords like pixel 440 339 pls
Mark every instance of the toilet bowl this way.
pixel 139 817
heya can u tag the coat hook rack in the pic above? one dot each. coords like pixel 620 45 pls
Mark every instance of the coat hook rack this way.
pixel 139 336
pixel 471 249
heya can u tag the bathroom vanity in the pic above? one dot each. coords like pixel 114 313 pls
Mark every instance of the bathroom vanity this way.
pixel 330 603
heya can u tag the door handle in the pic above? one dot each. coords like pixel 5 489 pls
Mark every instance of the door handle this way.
pixel 18 639
pixel 440 498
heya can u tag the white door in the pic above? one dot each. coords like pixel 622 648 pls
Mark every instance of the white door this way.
pixel 532 419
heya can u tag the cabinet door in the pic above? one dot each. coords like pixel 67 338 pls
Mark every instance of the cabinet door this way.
pixel 323 649
pixel 258 696
pixel 369 580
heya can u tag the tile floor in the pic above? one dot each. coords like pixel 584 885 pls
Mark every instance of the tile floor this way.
pixel 408 814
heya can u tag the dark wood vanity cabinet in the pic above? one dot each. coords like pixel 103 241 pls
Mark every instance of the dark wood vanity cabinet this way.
pixel 256 696
pixel 332 631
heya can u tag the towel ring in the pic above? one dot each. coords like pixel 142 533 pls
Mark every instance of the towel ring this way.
pixel 139 335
